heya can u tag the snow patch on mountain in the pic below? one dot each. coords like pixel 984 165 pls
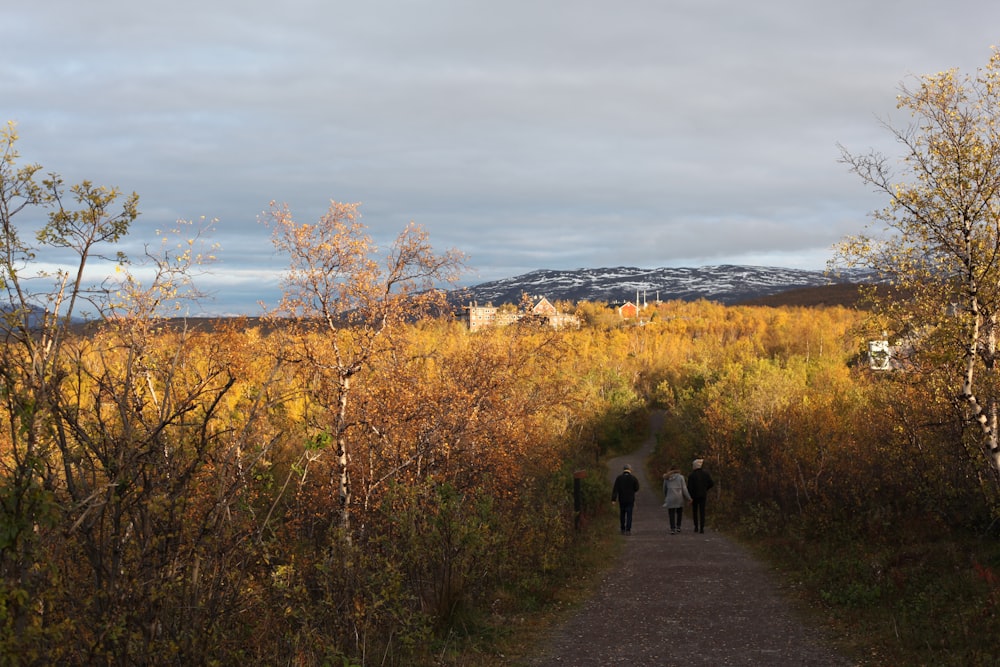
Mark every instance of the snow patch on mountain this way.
pixel 727 284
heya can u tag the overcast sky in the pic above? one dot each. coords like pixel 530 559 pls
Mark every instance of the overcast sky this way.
pixel 529 134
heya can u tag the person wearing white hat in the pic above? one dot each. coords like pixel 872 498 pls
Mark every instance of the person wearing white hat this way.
pixel 699 482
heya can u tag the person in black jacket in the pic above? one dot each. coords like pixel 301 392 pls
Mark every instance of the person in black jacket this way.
pixel 624 492
pixel 699 482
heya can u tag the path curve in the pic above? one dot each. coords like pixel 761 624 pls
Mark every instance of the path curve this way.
pixel 688 599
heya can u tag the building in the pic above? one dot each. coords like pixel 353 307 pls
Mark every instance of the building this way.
pixel 879 355
pixel 628 310
pixel 476 317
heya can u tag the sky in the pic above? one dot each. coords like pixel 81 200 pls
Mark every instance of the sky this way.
pixel 527 134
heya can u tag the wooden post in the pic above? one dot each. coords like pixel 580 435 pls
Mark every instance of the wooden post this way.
pixel 578 497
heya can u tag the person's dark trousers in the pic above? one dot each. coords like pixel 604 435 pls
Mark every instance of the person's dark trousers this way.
pixel 625 516
pixel 698 512
pixel 676 514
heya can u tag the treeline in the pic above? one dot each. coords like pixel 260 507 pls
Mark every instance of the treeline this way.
pixel 784 405
pixel 871 489
pixel 807 425
pixel 181 502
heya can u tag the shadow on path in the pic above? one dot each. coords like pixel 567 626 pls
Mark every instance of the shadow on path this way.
pixel 686 599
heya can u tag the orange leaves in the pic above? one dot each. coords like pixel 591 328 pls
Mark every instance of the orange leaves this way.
pixel 330 261
pixel 468 408
pixel 349 308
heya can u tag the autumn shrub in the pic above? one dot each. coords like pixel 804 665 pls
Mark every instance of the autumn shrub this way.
pixel 618 416
pixel 429 567
pixel 908 595
pixel 757 519
pixel 388 511
pixel 445 542
pixel 593 491
pixel 544 532
pixel 457 503
pixel 29 526
pixel 862 486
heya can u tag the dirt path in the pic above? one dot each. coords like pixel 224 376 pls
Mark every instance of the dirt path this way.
pixel 687 599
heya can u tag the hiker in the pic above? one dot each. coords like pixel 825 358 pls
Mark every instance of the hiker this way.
pixel 624 490
pixel 698 484
pixel 675 494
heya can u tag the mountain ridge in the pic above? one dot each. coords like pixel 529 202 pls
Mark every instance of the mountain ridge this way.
pixel 728 284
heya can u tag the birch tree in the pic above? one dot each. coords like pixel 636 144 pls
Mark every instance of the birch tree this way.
pixel 347 301
pixel 113 435
pixel 937 241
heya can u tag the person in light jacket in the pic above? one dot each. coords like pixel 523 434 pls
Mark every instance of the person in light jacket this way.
pixel 675 494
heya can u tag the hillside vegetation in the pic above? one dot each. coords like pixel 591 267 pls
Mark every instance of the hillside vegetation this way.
pixel 216 537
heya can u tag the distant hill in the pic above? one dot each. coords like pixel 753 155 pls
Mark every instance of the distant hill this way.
pixel 726 284
pixel 840 294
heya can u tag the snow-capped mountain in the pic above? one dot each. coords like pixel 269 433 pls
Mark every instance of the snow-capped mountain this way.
pixel 726 284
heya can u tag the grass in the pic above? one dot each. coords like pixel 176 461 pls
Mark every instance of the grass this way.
pixel 901 597
pixel 514 635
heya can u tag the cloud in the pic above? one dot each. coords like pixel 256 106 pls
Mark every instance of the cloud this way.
pixel 529 135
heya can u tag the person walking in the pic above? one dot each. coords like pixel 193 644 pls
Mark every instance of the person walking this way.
pixel 623 492
pixel 698 483
pixel 675 494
